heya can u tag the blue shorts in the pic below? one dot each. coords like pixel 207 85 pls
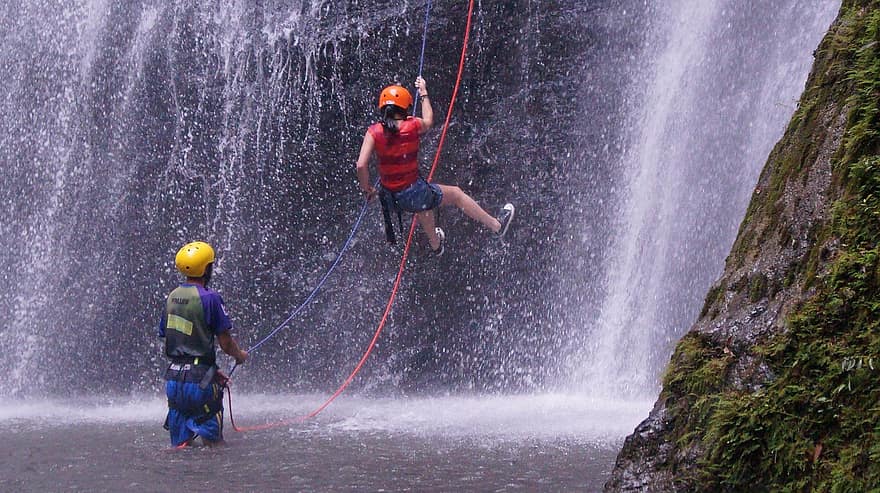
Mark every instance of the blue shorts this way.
pixel 188 415
pixel 418 197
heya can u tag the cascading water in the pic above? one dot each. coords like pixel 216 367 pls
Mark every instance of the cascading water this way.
pixel 628 133
pixel 134 127
pixel 720 80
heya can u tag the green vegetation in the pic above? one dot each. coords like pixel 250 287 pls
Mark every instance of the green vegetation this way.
pixel 815 426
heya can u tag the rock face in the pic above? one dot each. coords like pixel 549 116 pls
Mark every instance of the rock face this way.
pixel 772 387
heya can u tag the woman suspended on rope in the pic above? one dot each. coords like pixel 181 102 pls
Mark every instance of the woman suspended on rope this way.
pixel 395 141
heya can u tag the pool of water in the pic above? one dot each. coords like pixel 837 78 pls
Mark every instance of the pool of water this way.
pixel 503 443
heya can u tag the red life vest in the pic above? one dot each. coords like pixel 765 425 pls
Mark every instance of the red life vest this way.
pixel 398 154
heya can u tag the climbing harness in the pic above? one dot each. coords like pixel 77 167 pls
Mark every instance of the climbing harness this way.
pixel 404 256
pixel 389 205
pixel 363 208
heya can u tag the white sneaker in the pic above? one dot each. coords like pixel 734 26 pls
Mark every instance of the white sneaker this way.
pixel 504 218
pixel 440 234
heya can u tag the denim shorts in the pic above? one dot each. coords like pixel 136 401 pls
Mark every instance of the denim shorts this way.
pixel 418 197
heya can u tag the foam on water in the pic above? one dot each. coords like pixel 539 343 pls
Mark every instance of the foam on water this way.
pixel 545 416
pixel 525 416
pixel 58 411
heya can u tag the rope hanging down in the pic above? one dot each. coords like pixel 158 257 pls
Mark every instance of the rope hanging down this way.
pixel 403 259
pixel 317 288
pixel 424 40
pixel 353 230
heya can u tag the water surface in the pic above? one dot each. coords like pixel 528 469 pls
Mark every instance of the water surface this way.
pixel 505 443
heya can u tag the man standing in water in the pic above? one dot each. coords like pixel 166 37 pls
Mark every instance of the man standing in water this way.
pixel 194 316
pixel 395 141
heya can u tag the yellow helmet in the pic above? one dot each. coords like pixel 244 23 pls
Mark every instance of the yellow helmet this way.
pixel 192 260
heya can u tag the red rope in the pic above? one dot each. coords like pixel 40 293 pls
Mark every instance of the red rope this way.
pixel 467 31
pixel 394 290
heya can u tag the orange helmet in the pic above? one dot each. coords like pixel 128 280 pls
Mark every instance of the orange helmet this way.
pixel 396 95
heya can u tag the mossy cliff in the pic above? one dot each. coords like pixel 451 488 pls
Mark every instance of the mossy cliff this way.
pixel 777 385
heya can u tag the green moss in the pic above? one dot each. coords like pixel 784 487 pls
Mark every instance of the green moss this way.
pixel 698 366
pixel 791 274
pixel 716 294
pixel 690 386
pixel 864 131
pixel 758 287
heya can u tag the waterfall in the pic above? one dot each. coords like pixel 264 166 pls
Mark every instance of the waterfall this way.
pixel 629 134
pixel 131 128
pixel 717 84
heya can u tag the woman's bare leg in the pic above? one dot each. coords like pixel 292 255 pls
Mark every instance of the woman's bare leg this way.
pixel 453 195
pixel 426 220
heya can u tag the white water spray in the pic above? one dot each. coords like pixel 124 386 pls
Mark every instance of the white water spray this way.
pixel 713 104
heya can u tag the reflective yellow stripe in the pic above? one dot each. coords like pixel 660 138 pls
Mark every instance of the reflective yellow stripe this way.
pixel 180 324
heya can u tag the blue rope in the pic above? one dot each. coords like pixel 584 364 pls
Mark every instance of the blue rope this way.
pixel 424 37
pixel 317 288
pixel 422 54
pixel 354 229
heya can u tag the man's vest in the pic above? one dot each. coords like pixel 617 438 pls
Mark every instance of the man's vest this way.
pixel 187 335
pixel 398 154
